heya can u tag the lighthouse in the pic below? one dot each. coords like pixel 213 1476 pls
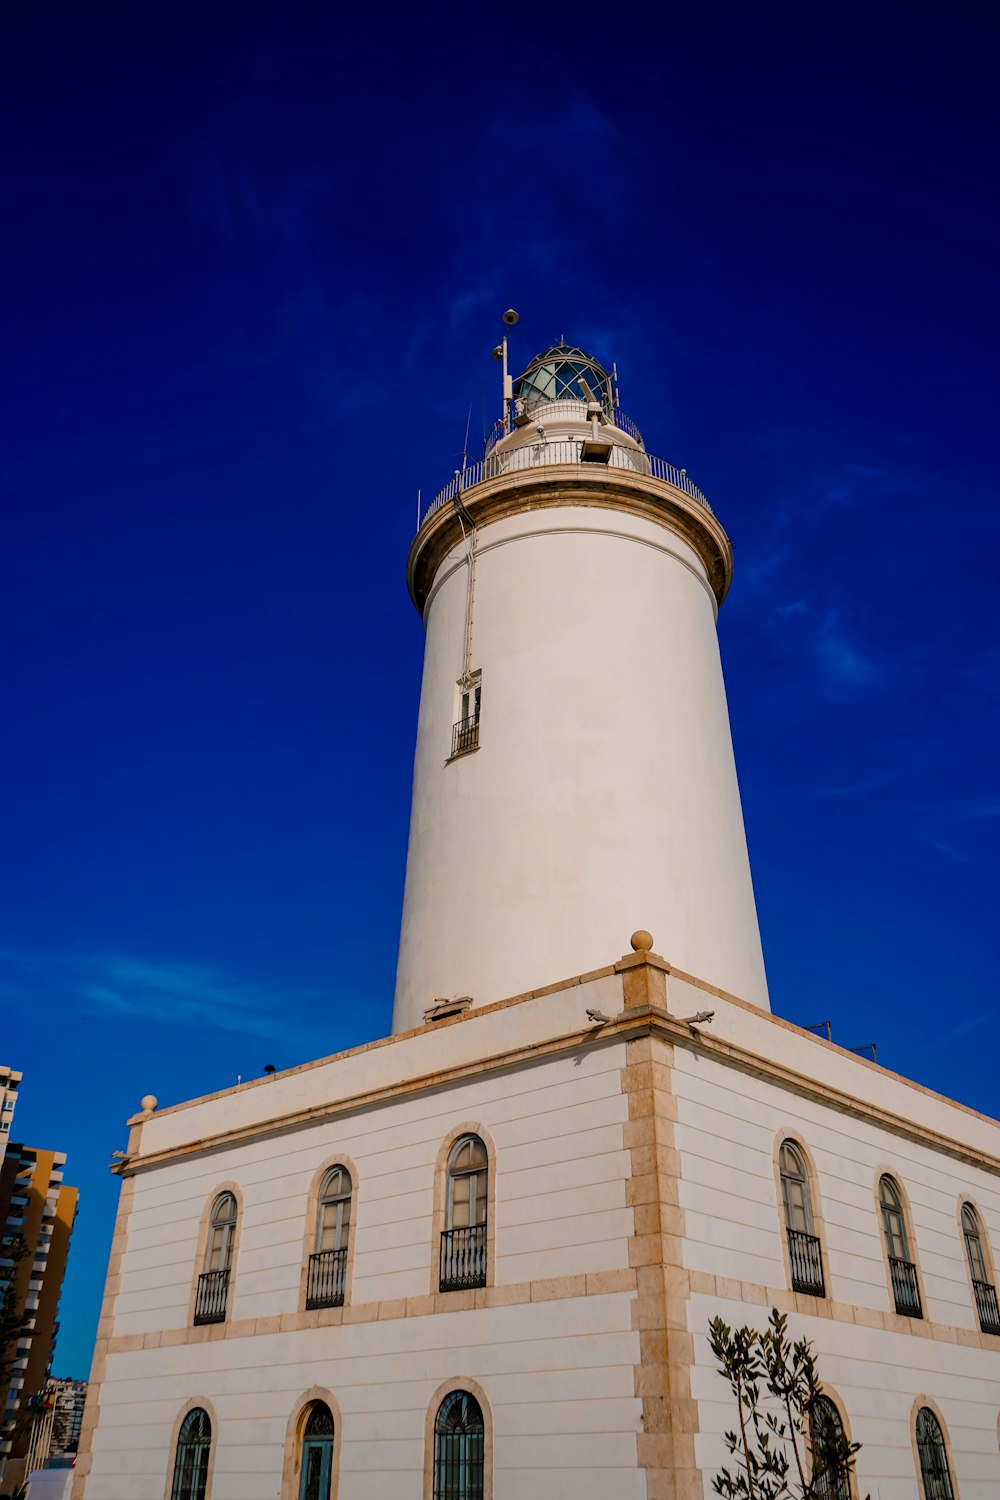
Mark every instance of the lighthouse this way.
pixel 574 775
pixel 482 1257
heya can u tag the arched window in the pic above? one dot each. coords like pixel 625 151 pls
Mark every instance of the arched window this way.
pixel 194 1444
pixel 317 1453
pixel 934 1471
pixel 459 1448
pixel 982 1288
pixel 804 1253
pixel 328 1263
pixel 213 1283
pixel 221 1234
pixel 902 1271
pixel 830 1451
pixel 463 1242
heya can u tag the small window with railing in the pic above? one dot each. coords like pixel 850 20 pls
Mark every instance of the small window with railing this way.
pixel 212 1297
pixel 805 1255
pixel 328 1263
pixel 902 1267
pixel 463 1239
pixel 983 1289
pixel 465 731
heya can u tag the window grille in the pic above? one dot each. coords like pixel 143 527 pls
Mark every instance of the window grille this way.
pixel 934 1471
pixel 317 1454
pixel 326 1278
pixel 194 1444
pixel 459 1448
pixel 805 1257
pixel 211 1297
pixel 829 1447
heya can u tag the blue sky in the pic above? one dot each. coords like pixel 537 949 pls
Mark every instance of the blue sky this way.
pixel 254 260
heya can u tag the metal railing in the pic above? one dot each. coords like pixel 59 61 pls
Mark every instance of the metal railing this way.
pixel 806 1258
pixel 325 1279
pixel 465 736
pixel 495 435
pixel 463 1258
pixel 626 424
pixel 986 1306
pixel 541 409
pixel 568 451
pixel 905 1291
pixel 211 1298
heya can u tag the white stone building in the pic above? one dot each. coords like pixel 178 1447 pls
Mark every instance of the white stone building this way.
pixel 479 1257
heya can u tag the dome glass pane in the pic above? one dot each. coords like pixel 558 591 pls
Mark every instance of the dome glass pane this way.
pixel 556 376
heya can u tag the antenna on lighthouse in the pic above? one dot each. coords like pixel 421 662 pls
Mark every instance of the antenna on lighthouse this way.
pixel 510 317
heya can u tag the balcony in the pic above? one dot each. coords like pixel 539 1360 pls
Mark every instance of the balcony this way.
pixel 905 1291
pixel 465 736
pixel 463 1258
pixel 325 1281
pixel 567 451
pixel 211 1298
pixel 986 1306
pixel 806 1259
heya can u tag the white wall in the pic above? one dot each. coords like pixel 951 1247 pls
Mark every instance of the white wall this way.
pixel 727 1125
pixel 874 1376
pixel 557 1128
pixel 558 1376
pixel 603 796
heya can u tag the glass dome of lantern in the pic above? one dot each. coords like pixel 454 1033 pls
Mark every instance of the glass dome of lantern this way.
pixel 557 374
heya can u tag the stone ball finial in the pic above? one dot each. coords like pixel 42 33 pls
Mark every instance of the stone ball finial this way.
pixel 642 941
pixel 148 1103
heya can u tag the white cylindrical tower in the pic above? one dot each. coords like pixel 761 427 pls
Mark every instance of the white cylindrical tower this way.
pixel 574 775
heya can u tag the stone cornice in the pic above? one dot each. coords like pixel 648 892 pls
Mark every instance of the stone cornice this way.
pixel 635 1021
pixel 578 485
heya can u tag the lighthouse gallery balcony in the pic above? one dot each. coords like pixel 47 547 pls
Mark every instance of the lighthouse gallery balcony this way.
pixel 562 451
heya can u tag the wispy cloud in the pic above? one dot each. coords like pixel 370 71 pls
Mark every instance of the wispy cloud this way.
pixel 821 628
pixel 876 782
pixel 955 854
pixel 969 809
pixel 969 1025
pixel 160 991
pixel 846 663
pixel 960 828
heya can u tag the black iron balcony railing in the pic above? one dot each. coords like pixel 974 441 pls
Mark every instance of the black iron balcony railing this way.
pixel 806 1259
pixel 986 1306
pixel 465 736
pixel 325 1285
pixel 463 1258
pixel 905 1291
pixel 213 1293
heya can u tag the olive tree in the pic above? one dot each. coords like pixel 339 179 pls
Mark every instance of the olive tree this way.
pixel 789 1443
